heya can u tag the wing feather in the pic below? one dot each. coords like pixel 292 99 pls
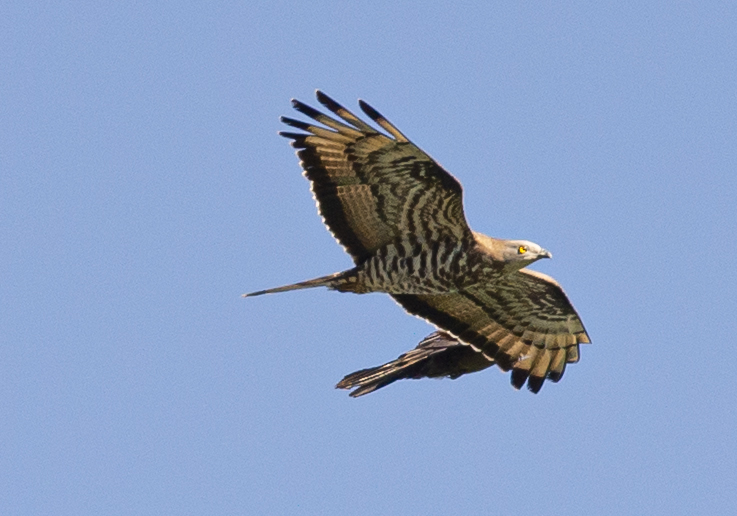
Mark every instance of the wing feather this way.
pixel 367 185
pixel 383 122
pixel 438 355
pixel 523 320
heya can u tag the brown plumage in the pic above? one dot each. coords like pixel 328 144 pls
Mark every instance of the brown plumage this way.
pixel 400 216
pixel 438 355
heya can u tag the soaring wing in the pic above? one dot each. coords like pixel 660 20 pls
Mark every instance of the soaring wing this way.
pixel 523 321
pixel 372 188
pixel 437 356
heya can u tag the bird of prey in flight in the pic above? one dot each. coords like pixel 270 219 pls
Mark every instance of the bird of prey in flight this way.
pixel 399 215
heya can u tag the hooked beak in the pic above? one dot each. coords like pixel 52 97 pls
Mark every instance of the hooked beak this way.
pixel 545 254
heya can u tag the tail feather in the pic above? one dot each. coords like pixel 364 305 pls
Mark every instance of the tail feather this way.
pixel 330 281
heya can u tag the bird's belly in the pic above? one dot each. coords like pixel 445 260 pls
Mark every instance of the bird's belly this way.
pixel 414 269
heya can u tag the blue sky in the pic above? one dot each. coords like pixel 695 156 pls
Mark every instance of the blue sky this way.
pixel 143 188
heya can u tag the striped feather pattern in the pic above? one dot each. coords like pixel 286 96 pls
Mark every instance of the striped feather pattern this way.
pixel 370 188
pixel 399 215
pixel 523 321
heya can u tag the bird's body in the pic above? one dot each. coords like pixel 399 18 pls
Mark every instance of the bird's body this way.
pixel 412 267
pixel 400 216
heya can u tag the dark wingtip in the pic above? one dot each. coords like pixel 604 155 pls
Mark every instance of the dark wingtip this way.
pixel 519 376
pixel 327 101
pixel 370 111
pixel 305 109
pixel 555 377
pixel 293 136
pixel 504 361
pixel 299 124
pixel 535 383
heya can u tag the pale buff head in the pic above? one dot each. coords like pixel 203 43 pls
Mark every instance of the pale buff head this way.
pixel 523 251
pixel 515 253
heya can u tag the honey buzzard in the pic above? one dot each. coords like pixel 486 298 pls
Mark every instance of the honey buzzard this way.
pixel 399 215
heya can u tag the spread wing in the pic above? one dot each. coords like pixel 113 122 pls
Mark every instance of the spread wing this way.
pixel 437 356
pixel 523 321
pixel 372 188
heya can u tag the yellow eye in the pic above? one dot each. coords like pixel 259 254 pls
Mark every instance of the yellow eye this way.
pixel 521 249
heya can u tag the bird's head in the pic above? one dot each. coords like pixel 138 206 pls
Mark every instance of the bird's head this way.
pixel 514 254
pixel 522 253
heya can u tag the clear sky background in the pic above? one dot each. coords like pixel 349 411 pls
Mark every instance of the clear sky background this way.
pixel 143 188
